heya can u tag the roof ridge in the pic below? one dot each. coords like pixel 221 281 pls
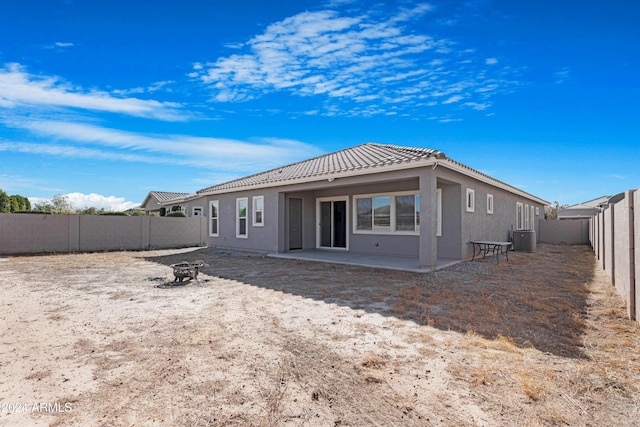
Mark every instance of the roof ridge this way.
pixel 281 167
pixel 368 154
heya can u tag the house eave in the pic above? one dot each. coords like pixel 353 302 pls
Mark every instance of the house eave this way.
pixel 465 170
pixel 369 170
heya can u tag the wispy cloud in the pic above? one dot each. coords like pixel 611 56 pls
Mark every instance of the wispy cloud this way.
pixel 562 75
pixel 356 64
pixel 81 140
pixel 19 88
pixel 616 176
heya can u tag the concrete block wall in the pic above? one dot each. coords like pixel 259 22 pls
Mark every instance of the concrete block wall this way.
pixel 41 233
pixel 617 245
pixel 564 232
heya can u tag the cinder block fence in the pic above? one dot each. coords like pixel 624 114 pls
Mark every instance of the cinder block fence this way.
pixel 42 233
pixel 615 238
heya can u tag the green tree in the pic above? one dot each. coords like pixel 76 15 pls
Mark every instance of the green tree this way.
pixel 44 207
pixel 19 203
pixel 5 202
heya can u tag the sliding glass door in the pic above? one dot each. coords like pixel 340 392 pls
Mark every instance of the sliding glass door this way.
pixel 332 223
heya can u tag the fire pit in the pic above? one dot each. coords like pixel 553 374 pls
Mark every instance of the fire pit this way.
pixel 187 269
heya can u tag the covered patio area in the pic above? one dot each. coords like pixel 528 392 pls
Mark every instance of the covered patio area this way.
pixel 388 262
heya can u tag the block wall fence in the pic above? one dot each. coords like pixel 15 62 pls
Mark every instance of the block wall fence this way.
pixel 42 233
pixel 615 238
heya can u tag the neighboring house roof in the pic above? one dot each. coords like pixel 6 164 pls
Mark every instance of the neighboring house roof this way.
pixel 359 160
pixel 584 209
pixel 589 204
pixel 163 197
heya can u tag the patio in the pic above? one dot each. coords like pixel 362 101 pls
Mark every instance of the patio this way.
pixel 387 262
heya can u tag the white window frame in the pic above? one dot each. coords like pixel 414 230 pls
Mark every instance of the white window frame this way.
pixel 392 219
pixel 526 217
pixel 215 218
pixel 490 203
pixel 244 200
pixel 439 212
pixel 319 227
pixel 257 210
pixel 519 216
pixel 470 200
pixel 533 215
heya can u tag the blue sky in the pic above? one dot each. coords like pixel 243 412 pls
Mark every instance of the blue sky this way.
pixel 108 100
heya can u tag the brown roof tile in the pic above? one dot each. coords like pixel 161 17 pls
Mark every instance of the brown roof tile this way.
pixel 369 155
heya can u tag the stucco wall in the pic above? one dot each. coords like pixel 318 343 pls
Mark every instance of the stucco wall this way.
pixel 40 233
pixel 458 226
pixel 461 226
pixel 263 238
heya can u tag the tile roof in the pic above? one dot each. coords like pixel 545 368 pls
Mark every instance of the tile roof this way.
pixel 364 156
pixel 165 196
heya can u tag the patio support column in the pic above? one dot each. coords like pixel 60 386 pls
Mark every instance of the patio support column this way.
pixel 428 220
pixel 281 214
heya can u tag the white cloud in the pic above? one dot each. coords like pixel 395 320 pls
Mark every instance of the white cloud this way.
pixel 562 75
pixel 616 176
pixel 19 88
pixel 84 201
pixel 81 140
pixel 453 99
pixel 351 60
pixel 64 44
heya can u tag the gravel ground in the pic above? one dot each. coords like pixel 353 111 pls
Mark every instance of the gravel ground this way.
pixel 106 339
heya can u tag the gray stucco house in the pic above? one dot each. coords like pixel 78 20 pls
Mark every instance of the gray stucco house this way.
pixel 370 199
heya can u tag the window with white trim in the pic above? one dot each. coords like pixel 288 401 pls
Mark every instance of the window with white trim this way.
pixel 258 211
pixel 439 212
pixel 533 218
pixel 471 200
pixel 242 207
pixel 214 206
pixel 387 213
pixel 519 216
pixel 489 203
pixel 526 217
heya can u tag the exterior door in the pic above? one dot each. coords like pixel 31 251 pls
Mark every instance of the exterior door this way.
pixel 332 226
pixel 295 224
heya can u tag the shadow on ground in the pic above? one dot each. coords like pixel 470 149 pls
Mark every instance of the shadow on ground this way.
pixel 535 299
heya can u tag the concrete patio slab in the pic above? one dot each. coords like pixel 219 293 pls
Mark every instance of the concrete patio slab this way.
pixel 387 262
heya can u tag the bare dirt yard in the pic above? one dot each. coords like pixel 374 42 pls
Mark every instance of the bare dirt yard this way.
pixel 105 339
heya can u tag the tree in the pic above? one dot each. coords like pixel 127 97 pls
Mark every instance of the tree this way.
pixel 61 204
pixel 43 207
pixel 19 203
pixel 551 212
pixel 5 202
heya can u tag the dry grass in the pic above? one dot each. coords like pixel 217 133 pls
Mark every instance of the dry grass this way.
pixel 540 340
